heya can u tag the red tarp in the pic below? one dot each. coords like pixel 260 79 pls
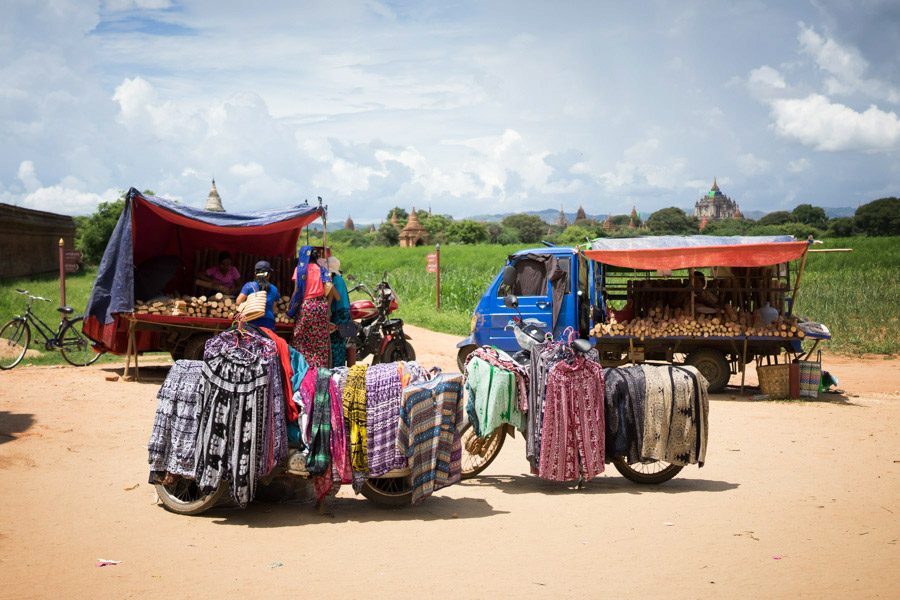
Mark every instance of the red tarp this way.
pixel 744 255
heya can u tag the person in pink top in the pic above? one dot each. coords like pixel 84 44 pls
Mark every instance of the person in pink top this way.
pixel 311 330
pixel 223 278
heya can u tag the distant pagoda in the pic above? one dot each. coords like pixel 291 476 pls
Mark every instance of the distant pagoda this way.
pixel 348 224
pixel 716 206
pixel 213 201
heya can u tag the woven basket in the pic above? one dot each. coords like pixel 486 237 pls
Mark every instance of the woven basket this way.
pixel 775 380
pixel 254 306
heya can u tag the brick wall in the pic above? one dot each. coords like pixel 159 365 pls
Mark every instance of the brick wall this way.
pixel 29 240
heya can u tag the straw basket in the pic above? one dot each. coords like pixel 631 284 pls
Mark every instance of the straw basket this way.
pixel 254 307
pixel 775 380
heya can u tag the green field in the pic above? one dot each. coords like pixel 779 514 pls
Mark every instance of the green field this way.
pixel 856 294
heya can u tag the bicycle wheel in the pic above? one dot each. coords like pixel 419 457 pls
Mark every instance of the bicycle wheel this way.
pixel 76 348
pixel 479 453
pixel 14 339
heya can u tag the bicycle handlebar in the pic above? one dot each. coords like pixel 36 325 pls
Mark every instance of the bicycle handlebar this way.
pixel 25 293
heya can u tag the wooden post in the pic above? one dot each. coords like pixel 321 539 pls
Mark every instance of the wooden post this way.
pixel 797 283
pixel 691 284
pixel 743 364
pixel 437 250
pixel 62 273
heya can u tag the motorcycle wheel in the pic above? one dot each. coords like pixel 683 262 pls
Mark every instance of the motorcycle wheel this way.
pixel 389 492
pixel 396 350
pixel 652 472
pixel 479 453
pixel 184 498
pixel 462 355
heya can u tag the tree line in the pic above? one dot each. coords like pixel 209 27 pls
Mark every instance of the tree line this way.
pixel 877 218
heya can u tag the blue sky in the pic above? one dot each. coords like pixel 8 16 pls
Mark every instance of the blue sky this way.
pixel 467 107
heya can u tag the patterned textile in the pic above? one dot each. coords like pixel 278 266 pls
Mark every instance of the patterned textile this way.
pixel 493 397
pixel 319 460
pixel 625 387
pixel 286 371
pixel 383 396
pixel 354 400
pixel 171 446
pixel 676 415
pixel 501 359
pixel 572 440
pixel 431 418
pixel 231 417
pixel 311 332
pixel 330 483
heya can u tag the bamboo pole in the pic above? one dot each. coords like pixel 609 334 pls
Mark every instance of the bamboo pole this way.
pixel 797 283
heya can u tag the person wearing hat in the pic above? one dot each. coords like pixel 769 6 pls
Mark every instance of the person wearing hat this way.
pixel 261 284
pixel 340 312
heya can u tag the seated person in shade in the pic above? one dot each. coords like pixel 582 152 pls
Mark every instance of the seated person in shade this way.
pixel 222 278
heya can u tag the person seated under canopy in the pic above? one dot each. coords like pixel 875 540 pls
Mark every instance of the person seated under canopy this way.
pixel 223 278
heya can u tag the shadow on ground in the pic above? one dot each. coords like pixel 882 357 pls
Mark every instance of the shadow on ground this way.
pixel 12 424
pixel 531 484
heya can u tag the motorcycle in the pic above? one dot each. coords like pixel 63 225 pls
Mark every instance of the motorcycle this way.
pixel 479 453
pixel 374 332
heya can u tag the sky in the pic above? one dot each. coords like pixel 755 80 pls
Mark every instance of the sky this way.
pixel 465 107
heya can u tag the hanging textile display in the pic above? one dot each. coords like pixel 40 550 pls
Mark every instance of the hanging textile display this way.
pixel 625 392
pixel 171 446
pixel 431 419
pixel 676 415
pixel 354 400
pixel 493 396
pixel 383 395
pixel 573 431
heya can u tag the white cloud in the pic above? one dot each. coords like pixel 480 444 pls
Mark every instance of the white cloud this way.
pixel 817 122
pixel 798 166
pixel 27 176
pixel 765 78
pixel 846 65
pixel 751 165
pixel 248 170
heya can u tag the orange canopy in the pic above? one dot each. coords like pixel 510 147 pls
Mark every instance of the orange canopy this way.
pixel 743 255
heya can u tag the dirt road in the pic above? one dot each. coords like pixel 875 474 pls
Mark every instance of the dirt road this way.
pixel 796 500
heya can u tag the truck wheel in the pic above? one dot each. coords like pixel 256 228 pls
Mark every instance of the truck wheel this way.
pixel 462 355
pixel 713 365
pixel 193 350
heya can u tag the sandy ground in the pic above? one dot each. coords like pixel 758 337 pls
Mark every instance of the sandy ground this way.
pixel 796 500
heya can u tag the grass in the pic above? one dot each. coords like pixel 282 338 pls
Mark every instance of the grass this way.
pixel 857 294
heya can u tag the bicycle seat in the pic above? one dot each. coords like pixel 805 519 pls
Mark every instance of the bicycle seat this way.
pixel 67 310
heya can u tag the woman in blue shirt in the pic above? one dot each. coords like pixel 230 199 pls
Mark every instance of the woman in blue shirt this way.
pixel 263 269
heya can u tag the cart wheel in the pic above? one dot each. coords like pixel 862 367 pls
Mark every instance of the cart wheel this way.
pixel 655 471
pixel 479 453
pixel 462 355
pixel 184 497
pixel 388 491
pixel 193 350
pixel 713 365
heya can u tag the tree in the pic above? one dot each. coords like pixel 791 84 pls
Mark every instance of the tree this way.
pixel 530 228
pixel 574 235
pixel 493 231
pixel 879 217
pixel 728 227
pixel 93 232
pixel 466 232
pixel 810 215
pixel 387 235
pixel 671 221
pixel 402 215
pixel 779 217
pixel 508 236
pixel 436 224
pixel 841 227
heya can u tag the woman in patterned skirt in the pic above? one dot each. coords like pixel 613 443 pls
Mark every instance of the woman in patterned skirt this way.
pixel 309 305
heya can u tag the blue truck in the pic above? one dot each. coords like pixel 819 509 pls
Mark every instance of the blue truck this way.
pixel 572 290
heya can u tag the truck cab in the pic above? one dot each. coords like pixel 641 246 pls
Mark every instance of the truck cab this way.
pixel 548 280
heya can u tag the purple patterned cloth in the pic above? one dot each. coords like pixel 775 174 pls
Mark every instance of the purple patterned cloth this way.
pixel 383 396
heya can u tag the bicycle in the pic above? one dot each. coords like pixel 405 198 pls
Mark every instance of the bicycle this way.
pixel 15 337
